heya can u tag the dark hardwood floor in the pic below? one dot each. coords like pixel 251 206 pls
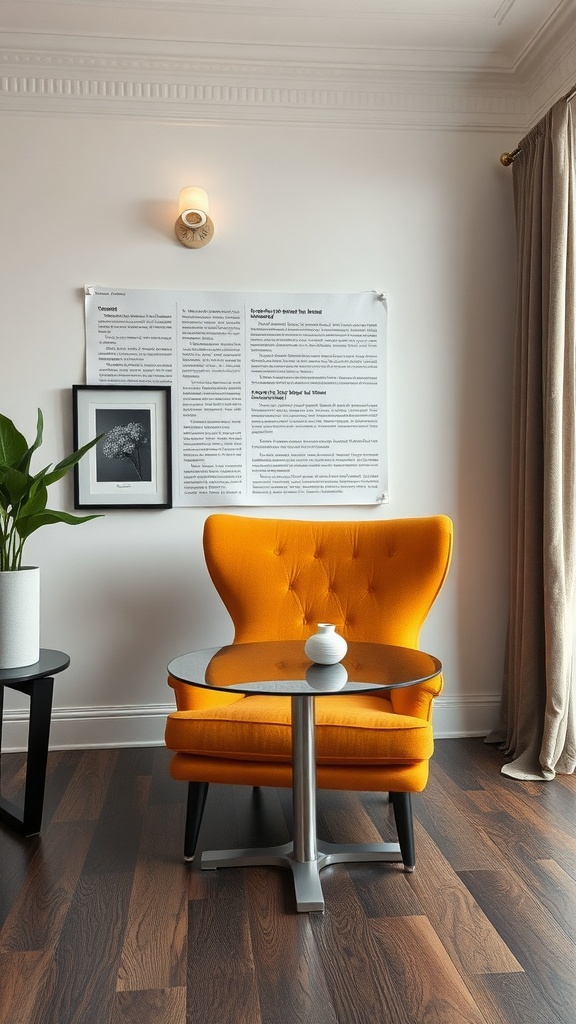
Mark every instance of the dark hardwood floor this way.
pixel 103 923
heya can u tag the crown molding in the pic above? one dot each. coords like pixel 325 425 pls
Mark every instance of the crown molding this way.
pixel 107 58
pixel 213 84
pixel 551 73
pixel 208 90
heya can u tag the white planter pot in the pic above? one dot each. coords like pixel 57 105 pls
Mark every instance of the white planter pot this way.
pixel 326 647
pixel 19 617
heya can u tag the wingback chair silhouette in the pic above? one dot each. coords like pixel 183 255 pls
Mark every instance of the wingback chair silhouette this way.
pixel 278 578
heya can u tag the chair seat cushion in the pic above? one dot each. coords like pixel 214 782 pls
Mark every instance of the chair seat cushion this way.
pixel 350 729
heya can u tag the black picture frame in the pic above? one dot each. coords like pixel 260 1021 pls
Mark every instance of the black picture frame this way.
pixel 131 466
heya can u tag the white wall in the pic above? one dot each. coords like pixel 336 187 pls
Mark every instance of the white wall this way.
pixel 426 216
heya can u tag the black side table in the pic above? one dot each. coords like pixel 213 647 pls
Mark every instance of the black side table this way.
pixel 34 680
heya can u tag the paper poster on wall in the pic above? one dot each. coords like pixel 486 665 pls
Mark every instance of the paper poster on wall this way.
pixel 278 399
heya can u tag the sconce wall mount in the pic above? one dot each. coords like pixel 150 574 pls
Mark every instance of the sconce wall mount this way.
pixel 194 227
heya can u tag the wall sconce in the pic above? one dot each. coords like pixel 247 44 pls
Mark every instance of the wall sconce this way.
pixel 194 227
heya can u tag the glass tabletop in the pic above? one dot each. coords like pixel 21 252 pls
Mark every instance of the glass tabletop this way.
pixel 281 667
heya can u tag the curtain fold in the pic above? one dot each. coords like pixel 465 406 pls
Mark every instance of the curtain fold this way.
pixel 538 713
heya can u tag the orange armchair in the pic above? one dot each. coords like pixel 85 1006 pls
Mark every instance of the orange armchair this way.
pixel 278 578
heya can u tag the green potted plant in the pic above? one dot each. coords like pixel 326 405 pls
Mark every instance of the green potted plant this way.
pixel 23 510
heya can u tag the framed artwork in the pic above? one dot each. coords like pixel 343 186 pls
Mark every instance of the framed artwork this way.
pixel 131 466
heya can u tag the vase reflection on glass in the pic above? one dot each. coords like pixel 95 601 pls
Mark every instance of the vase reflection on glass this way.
pixel 326 678
pixel 326 646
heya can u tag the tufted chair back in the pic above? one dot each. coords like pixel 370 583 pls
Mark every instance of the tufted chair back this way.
pixel 375 580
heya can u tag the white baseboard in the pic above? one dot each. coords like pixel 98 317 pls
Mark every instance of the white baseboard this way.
pixel 143 725
pixel 465 715
pixel 81 728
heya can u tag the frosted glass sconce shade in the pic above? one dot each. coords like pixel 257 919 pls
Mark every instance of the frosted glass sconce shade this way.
pixel 194 228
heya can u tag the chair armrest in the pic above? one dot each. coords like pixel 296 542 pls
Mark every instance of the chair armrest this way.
pixel 416 701
pixel 195 698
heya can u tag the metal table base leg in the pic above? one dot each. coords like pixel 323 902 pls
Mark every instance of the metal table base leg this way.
pixel 305 856
pixel 306 874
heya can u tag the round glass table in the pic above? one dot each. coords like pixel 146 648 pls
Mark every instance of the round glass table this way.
pixel 281 668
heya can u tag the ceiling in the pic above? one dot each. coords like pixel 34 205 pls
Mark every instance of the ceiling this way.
pixel 522 52
pixel 425 33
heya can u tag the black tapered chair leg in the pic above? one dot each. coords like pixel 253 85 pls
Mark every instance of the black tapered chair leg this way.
pixel 402 807
pixel 197 793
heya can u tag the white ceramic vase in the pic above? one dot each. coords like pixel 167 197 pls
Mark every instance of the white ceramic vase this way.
pixel 19 617
pixel 326 647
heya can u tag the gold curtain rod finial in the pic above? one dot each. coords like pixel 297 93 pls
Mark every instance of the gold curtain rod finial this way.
pixel 508 158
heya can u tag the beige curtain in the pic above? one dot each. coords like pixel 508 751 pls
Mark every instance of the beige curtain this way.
pixel 538 715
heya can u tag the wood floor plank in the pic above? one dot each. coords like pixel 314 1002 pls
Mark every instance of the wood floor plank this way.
pixel 164 789
pixel 460 765
pixel 431 988
pixel 16 856
pixel 39 912
pixel 62 765
pixel 59 769
pixel 568 781
pixel 512 999
pixel 379 807
pixel 288 966
pixel 116 837
pixel 358 972
pixel 546 803
pixel 557 892
pixel 345 819
pixel 537 800
pixel 23 976
pixel 391 969
pixel 443 810
pixel 87 956
pixel 531 933
pixel 260 817
pixel 468 935
pixel 165 1006
pixel 221 973
pixel 235 817
pixel 384 890
pixel 86 791
pixel 559 802
pixel 13 776
pixel 154 948
pixel 523 831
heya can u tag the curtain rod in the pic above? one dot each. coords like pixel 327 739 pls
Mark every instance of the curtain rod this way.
pixel 508 158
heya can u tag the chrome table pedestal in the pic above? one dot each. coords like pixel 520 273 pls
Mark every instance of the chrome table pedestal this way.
pixel 305 856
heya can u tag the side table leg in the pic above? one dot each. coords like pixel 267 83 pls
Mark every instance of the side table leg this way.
pixel 29 822
pixel 38 739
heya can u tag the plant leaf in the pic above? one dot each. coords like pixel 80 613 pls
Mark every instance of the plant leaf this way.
pixel 23 497
pixel 36 501
pixel 13 486
pixel 66 464
pixel 29 524
pixel 13 444
pixel 24 466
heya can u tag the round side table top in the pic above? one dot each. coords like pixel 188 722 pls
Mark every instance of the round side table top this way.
pixel 48 664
